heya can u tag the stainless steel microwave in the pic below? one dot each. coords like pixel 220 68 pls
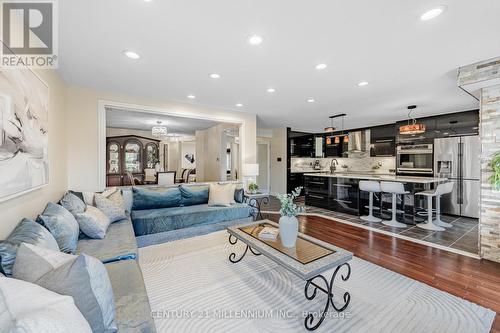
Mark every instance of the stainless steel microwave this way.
pixel 415 159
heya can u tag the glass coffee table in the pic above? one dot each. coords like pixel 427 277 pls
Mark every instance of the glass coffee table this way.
pixel 309 260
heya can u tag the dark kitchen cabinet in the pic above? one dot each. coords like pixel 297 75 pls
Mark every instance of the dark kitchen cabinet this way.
pixel 317 191
pixel 336 145
pixel 344 195
pixel 295 180
pixel 301 144
pixel 383 141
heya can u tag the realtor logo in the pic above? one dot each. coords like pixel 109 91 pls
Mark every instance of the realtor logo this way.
pixel 29 34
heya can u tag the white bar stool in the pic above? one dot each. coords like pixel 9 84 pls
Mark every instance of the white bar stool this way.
pixel 437 224
pixel 372 187
pixel 442 189
pixel 395 188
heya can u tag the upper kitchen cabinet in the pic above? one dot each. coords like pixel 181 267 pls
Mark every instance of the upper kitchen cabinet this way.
pixel 383 141
pixel 335 145
pixel 457 124
pixel 301 144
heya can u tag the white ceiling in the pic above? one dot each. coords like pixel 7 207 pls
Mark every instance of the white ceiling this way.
pixel 145 121
pixel 406 61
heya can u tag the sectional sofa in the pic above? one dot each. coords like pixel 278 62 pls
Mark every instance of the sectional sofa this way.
pixel 161 213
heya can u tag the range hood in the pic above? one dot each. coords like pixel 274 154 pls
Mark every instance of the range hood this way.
pixel 359 144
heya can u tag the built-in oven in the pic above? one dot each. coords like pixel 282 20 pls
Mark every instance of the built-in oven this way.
pixel 414 159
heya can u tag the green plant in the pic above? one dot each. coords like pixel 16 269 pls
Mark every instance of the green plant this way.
pixel 288 207
pixel 495 166
pixel 253 187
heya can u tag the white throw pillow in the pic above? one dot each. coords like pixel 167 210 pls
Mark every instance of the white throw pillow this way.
pixel 221 194
pixel 28 308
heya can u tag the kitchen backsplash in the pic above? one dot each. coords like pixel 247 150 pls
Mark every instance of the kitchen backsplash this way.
pixel 387 164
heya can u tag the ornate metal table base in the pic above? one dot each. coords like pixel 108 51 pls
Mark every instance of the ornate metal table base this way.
pixel 233 240
pixel 256 203
pixel 308 322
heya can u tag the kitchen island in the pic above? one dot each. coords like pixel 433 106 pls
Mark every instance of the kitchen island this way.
pixel 340 192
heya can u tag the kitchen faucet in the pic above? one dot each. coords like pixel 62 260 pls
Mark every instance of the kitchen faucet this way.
pixel 333 165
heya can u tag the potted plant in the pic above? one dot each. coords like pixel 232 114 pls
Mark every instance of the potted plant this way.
pixel 495 177
pixel 253 188
pixel 289 225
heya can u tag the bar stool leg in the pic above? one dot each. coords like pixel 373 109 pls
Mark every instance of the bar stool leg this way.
pixel 393 222
pixel 438 220
pixel 429 225
pixel 370 217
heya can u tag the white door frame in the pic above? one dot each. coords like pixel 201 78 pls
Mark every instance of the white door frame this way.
pixel 268 144
pixel 101 133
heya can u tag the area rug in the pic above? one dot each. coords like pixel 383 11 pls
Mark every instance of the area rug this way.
pixel 192 287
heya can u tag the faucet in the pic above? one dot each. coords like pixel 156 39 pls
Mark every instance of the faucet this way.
pixel 333 165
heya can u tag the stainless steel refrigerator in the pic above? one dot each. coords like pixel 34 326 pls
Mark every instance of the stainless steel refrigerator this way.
pixel 458 159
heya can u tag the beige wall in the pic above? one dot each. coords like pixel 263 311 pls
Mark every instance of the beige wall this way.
pixel 33 203
pixel 83 167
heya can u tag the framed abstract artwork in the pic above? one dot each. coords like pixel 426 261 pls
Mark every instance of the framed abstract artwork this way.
pixel 24 159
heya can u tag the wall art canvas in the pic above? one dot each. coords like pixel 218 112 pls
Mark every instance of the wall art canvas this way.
pixel 24 159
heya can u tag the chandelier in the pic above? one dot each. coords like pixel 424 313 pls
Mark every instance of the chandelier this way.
pixel 159 130
pixel 412 127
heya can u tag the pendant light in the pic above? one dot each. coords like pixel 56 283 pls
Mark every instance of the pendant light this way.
pixel 330 128
pixel 412 127
pixel 159 130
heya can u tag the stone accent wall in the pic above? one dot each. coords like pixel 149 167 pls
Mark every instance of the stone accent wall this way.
pixel 483 79
pixel 490 199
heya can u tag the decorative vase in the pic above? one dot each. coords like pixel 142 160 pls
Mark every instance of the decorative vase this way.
pixel 289 229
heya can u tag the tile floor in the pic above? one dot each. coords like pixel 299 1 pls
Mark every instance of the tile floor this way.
pixel 462 236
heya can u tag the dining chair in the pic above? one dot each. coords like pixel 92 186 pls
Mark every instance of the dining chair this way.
pixel 166 178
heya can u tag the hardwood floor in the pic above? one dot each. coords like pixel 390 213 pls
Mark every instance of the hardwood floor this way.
pixel 475 280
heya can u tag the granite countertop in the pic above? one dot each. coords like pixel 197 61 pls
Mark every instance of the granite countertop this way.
pixel 394 178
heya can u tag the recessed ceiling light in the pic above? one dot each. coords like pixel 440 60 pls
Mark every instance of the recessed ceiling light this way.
pixel 214 76
pixel 271 90
pixel 362 83
pixel 433 13
pixel 255 40
pixel 239 105
pixel 321 66
pixel 131 54
pixel 311 100
pixel 191 96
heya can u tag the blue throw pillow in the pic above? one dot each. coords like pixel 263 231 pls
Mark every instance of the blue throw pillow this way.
pixel 28 231
pixel 239 195
pixel 62 225
pixel 194 195
pixel 153 199
pixel 74 204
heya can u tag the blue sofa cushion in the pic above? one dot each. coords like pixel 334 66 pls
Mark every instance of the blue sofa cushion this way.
pixel 28 231
pixel 118 244
pixel 194 195
pixel 62 225
pixel 159 220
pixel 153 199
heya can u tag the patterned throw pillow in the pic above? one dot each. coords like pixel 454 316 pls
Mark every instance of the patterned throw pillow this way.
pixel 112 206
pixel 83 277
pixel 93 222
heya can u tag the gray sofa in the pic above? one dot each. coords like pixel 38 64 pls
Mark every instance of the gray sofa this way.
pixel 118 251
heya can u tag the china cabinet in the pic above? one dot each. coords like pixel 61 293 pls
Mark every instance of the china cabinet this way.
pixel 129 154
